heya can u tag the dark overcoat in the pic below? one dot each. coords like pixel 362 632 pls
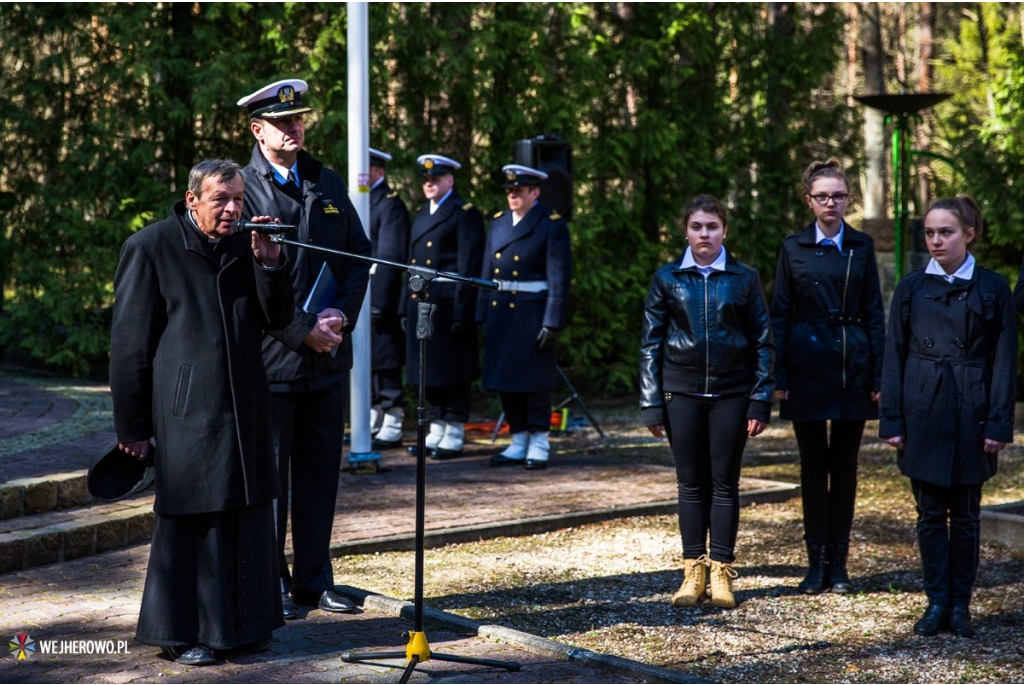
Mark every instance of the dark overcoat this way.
pixel 537 249
pixel 452 240
pixel 829 327
pixel 186 368
pixel 389 235
pixel 325 217
pixel 950 375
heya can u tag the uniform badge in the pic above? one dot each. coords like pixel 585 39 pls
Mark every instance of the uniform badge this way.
pixel 468 206
pixel 329 207
pixel 510 175
pixel 428 164
pixel 555 216
pixel 286 94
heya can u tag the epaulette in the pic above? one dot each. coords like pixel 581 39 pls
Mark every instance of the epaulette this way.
pixel 498 213
pixel 468 206
pixel 554 216
pixel 392 195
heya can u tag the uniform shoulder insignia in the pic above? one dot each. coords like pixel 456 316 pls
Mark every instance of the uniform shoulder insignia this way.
pixel 554 216
pixel 498 213
pixel 468 206
pixel 393 194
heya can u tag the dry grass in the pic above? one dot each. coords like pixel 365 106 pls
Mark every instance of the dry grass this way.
pixel 607 586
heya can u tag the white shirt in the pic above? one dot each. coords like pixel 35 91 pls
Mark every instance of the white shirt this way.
pixel 281 172
pixel 966 270
pixel 689 262
pixel 819 235
pixel 435 205
pixel 516 218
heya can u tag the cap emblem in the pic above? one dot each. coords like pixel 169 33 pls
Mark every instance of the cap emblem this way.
pixel 428 164
pixel 286 94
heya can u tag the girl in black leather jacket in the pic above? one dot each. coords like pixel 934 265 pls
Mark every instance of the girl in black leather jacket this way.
pixel 706 357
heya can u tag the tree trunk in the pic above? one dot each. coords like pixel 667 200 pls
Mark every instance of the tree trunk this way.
pixel 923 136
pixel 874 185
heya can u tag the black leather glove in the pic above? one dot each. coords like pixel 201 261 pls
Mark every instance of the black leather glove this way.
pixel 461 328
pixel 401 322
pixel 377 319
pixel 546 337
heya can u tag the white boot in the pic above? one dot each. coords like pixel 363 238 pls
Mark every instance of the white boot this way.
pixel 437 429
pixel 517 448
pixel 390 433
pixel 537 454
pixel 454 436
pixel 375 419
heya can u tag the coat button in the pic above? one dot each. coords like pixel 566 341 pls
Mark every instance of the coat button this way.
pixel 963 296
pixel 413 261
pixel 516 258
pixel 498 271
pixel 814 281
pixel 959 342
pixel 928 342
pixel 430 243
pixel 494 303
pixel 428 262
pixel 511 305
pixel 497 255
pixel 515 274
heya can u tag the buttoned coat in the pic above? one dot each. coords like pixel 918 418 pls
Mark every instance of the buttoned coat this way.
pixel 452 240
pixel 536 249
pixel 950 375
pixel 829 327
pixel 325 217
pixel 389 236
pixel 186 368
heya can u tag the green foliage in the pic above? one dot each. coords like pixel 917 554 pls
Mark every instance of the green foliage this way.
pixel 111 103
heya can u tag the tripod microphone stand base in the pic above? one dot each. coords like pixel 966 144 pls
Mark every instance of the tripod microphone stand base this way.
pixel 418 652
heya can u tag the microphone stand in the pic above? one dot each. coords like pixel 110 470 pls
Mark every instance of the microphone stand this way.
pixel 417 650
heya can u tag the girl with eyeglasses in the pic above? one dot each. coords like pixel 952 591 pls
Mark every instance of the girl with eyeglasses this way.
pixel 948 391
pixel 829 327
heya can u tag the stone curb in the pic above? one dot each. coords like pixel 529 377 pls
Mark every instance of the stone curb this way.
pixel 28 496
pixel 532 643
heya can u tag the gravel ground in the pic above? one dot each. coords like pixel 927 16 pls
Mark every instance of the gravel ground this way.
pixel 607 587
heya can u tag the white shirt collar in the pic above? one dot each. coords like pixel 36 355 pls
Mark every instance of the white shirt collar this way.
pixel 379 181
pixel 435 205
pixel 965 272
pixel 819 235
pixel 281 172
pixel 688 262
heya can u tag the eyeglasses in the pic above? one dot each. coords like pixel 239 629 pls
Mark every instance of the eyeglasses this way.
pixel 837 199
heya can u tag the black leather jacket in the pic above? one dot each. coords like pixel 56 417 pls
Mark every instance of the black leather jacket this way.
pixel 706 337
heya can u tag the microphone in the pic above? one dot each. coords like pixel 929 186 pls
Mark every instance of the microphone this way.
pixel 270 228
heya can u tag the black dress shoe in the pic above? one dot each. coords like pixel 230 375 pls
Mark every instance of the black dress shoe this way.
pixel 934 619
pixel 197 655
pixel 289 611
pixel 332 601
pixel 377 445
pixel 536 464
pixel 440 454
pixel 960 622
pixel 501 460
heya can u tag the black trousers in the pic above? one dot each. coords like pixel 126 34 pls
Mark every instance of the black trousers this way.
pixel 386 388
pixel 308 430
pixel 449 402
pixel 212 579
pixel 527 411
pixel 949 538
pixel 707 438
pixel 828 478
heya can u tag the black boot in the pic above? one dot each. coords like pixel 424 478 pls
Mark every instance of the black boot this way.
pixel 934 620
pixel 960 621
pixel 841 583
pixel 817 580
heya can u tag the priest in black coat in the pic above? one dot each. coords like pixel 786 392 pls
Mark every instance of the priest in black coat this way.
pixel 192 299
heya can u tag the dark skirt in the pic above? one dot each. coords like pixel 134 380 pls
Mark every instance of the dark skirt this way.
pixel 213 580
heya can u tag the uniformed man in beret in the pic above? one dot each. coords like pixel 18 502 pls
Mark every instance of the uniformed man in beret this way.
pixel 447 235
pixel 308 362
pixel 389 234
pixel 529 254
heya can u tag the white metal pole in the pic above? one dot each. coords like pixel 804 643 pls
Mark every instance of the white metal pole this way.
pixel 359 192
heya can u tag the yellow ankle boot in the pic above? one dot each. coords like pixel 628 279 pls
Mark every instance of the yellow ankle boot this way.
pixel 695 578
pixel 721 585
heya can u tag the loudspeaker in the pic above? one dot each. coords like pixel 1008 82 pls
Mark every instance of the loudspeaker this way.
pixel 552 155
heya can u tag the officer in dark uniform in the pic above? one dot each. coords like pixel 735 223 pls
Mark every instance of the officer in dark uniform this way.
pixel 447 235
pixel 389 234
pixel 529 254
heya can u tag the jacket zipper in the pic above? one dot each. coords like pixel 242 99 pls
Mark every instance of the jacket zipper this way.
pixel 707 342
pixel 846 283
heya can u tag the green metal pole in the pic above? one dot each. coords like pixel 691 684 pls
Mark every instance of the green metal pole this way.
pixel 897 195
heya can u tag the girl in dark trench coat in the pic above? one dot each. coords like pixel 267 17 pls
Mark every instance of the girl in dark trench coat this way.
pixel 948 392
pixel 829 328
